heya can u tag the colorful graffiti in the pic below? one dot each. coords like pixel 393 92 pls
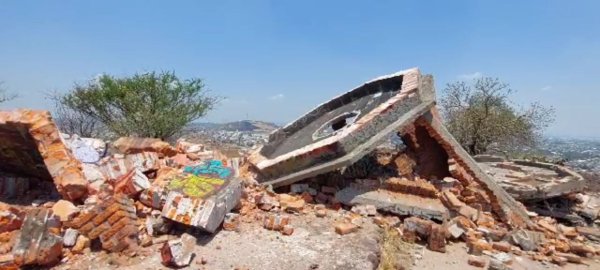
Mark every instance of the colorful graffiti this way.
pixel 210 168
pixel 196 186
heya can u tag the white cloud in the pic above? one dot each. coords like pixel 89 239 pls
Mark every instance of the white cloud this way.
pixel 546 88
pixel 470 76
pixel 277 97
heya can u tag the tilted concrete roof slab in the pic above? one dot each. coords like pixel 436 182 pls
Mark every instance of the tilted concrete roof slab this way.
pixel 339 132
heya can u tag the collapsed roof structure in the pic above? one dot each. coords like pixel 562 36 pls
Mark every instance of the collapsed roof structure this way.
pixel 341 131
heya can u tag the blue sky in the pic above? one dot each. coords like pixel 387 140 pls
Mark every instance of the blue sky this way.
pixel 274 60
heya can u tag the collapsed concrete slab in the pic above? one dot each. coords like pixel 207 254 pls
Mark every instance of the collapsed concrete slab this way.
pixel 530 180
pixel 340 132
pixel 32 146
pixel 403 204
pixel 202 197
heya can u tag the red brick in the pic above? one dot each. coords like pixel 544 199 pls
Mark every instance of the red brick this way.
pixel 345 228
pixel 477 261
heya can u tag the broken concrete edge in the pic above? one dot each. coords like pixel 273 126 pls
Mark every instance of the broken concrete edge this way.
pixel 411 93
pixel 356 154
pixel 550 166
pixel 409 205
pixel 512 211
pixel 66 171
pixel 278 134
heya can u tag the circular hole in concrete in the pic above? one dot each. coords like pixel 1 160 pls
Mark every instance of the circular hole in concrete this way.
pixel 336 124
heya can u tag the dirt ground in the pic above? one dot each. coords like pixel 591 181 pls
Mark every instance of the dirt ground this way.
pixel 314 245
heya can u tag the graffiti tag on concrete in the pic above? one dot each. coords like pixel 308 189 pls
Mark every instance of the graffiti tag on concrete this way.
pixel 210 168
pixel 196 186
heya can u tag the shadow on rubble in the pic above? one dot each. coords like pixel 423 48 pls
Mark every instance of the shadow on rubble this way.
pixel 24 178
pixel 202 237
pixel 26 191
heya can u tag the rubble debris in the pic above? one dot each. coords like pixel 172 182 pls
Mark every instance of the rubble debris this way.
pixel 38 242
pixel 156 224
pixel 529 180
pixel 437 239
pixel 131 145
pixel 203 198
pixel 178 252
pixel 340 132
pixel 526 239
pixel 10 218
pixel 364 210
pixel 65 210
pixel 477 261
pixel 287 230
pixel 154 197
pixel 70 237
pixel 497 265
pixel 132 183
pixel 401 204
pixel 39 152
pixel 231 222
pixel 275 222
pixel 291 203
pixel 345 228
pixel 86 150
pixel 117 165
pixel 113 221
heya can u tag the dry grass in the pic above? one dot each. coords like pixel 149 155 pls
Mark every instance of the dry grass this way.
pixel 395 253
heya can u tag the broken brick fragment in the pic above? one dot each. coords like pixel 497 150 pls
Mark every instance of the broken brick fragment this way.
pixel 178 252
pixel 153 197
pixel 275 222
pixel 9 221
pixel 421 226
pixel 231 222
pixel 65 210
pixel 130 145
pixel 477 261
pixel 132 183
pixel 419 188
pixel 37 244
pixel 343 228
pixel 436 241
pixel 502 246
pixel 405 165
pixel 287 230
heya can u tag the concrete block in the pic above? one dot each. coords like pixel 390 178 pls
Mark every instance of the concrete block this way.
pixel 38 242
pixel 404 205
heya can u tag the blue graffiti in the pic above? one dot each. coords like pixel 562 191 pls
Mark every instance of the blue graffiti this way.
pixel 212 168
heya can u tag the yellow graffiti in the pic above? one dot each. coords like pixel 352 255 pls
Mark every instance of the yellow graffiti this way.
pixel 196 186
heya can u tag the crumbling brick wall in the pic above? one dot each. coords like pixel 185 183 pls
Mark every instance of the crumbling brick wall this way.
pixel 32 146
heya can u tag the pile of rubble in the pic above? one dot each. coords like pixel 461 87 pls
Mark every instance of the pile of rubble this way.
pixel 546 189
pixel 439 192
pixel 65 196
pixel 113 197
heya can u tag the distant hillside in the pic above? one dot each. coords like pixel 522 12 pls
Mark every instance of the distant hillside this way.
pixel 243 125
